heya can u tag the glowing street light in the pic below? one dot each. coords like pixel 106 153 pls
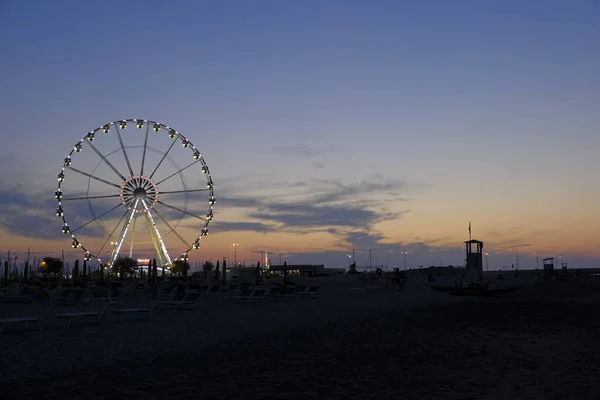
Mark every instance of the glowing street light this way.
pixel 404 253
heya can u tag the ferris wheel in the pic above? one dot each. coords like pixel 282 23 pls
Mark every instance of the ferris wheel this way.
pixel 122 190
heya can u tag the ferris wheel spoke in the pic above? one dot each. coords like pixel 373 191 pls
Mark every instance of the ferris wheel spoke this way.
pixel 112 233
pixel 159 215
pixel 124 152
pixel 185 191
pixel 116 171
pixel 108 196
pixel 144 151
pixel 159 244
pixel 162 159
pixel 93 177
pixel 181 170
pixel 117 249
pixel 178 209
pixel 96 218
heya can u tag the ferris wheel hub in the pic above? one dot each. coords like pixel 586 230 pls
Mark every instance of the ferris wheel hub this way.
pixel 139 193
pixel 139 188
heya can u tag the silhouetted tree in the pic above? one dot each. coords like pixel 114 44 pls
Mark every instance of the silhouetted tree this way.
pixel 155 271
pixel 26 271
pixel 76 271
pixel 285 272
pixel 150 271
pixel 207 267
pixel 124 265
pixel 5 275
pixel 217 272
pixel 258 274
pixel 181 267
pixel 85 272
pixel 52 265
pixel 224 272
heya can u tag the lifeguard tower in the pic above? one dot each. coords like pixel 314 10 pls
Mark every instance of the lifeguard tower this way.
pixel 548 264
pixel 474 259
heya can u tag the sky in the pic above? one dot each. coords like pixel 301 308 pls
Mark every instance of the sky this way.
pixel 381 125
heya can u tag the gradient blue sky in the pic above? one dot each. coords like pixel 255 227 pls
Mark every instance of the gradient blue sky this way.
pixel 384 124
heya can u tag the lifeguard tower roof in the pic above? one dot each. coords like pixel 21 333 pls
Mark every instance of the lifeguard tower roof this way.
pixel 474 241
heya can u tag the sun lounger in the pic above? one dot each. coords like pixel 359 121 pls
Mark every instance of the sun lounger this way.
pixel 89 314
pixel 214 289
pixel 273 294
pixel 312 292
pixel 255 296
pixel 175 298
pixel 27 321
pixel 189 302
pixel 287 293
pixel 231 288
pixel 70 297
pixel 100 294
pixel 299 291
pixel 20 296
pixel 244 293
pixel 120 314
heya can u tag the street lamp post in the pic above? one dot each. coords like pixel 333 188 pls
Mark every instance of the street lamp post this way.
pixel 404 253
pixel 235 245
pixel 487 265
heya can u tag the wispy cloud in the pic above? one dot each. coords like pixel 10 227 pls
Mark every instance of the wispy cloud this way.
pixel 304 150
pixel 340 209
pixel 223 226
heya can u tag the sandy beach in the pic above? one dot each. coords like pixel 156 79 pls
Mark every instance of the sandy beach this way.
pixel 366 344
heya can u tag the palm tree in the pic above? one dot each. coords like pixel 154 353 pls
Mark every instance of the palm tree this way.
pixel 207 267
pixel 181 266
pixel 124 265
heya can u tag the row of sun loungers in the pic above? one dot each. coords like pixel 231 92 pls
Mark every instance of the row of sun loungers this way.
pixel 98 301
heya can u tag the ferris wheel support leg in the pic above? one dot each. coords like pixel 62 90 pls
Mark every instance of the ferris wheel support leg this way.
pixel 159 255
pixel 132 236
pixel 123 234
pixel 161 250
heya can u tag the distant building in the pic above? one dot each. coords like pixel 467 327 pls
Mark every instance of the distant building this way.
pixel 242 273
pixel 335 271
pixel 304 269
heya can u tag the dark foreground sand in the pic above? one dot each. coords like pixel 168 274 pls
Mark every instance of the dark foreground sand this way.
pixel 542 344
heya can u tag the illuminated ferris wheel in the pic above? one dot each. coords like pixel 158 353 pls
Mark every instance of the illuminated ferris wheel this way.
pixel 127 194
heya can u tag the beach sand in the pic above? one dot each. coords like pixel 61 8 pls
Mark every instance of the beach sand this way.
pixel 380 344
